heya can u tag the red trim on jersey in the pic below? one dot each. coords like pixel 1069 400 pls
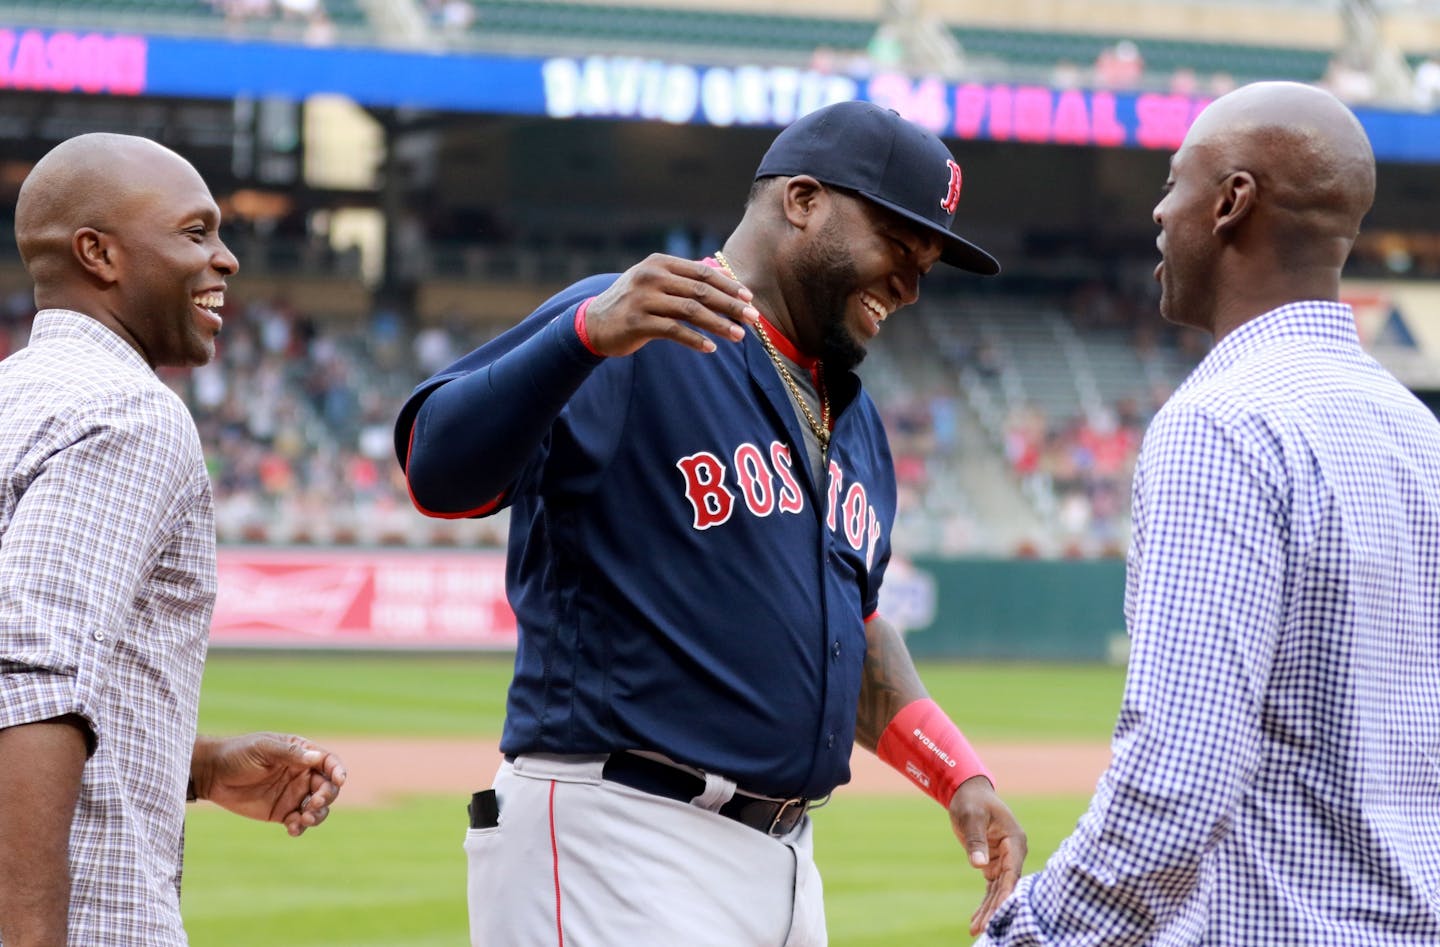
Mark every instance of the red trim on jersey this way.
pixel 872 615
pixel 580 329
pixel 787 348
pixel 782 342
pixel 811 365
pixel 555 860
pixel 480 510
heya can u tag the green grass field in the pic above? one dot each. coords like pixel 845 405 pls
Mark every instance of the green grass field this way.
pixel 395 876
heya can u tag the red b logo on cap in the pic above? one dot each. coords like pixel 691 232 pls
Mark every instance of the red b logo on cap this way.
pixel 952 196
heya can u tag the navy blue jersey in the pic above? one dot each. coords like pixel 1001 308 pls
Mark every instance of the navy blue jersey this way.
pixel 681 582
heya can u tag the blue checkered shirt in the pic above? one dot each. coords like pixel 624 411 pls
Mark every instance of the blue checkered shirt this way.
pixel 1276 764
pixel 107 578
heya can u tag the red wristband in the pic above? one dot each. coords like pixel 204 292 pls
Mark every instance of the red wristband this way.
pixel 580 327
pixel 923 744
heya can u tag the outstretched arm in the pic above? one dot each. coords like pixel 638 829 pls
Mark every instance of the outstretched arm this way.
pixel 1205 599
pixel 40 767
pixel 899 722
pixel 272 777
pixel 463 442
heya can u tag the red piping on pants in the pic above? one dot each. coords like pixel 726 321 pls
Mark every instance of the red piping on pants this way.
pixel 555 860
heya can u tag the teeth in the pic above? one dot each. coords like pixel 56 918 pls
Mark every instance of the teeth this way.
pixel 875 306
pixel 209 300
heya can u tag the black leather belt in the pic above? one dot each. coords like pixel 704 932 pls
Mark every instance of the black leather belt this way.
pixel 772 816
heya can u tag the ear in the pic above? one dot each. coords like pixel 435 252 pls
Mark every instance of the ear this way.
pixel 96 252
pixel 1238 196
pixel 803 198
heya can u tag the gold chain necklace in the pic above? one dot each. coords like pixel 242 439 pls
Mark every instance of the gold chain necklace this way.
pixel 820 428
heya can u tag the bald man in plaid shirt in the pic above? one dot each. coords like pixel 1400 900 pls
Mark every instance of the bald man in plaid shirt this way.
pixel 107 561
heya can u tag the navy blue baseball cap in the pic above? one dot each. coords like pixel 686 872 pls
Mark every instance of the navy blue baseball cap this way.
pixel 886 159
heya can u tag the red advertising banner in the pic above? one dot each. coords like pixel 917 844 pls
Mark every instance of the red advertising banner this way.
pixel 287 598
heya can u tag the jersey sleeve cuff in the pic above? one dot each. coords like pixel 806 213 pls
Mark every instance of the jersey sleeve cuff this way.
pixel 577 341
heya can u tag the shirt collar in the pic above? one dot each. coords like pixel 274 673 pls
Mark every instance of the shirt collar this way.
pixel 57 324
pixel 1316 320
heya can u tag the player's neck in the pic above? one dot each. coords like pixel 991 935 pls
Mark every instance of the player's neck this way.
pixel 737 259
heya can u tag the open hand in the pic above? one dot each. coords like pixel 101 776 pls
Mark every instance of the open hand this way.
pixel 996 843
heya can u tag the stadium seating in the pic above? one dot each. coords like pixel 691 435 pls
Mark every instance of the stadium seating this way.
pixel 1036 50
pixel 544 24
pixel 261 18
pixel 799 36
pixel 296 417
pixel 613 25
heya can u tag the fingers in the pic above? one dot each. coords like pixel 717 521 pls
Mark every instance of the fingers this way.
pixel 323 761
pixel 1000 880
pixel 321 796
pixel 974 822
pixel 664 297
pixel 314 807
pixel 994 841
pixel 708 276
pixel 986 911
pixel 700 297
pixel 312 811
pixel 314 757
pixel 977 845
pixel 326 775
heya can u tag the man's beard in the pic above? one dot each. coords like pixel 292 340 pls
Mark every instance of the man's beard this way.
pixel 827 276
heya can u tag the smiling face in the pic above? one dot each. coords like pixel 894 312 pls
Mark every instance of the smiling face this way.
pixel 172 265
pixel 123 229
pixel 864 263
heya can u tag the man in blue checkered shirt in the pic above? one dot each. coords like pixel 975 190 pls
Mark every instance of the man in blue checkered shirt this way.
pixel 1276 768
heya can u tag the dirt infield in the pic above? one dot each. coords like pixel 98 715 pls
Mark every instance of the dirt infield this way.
pixel 385 769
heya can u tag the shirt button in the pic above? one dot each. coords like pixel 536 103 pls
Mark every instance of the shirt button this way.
pixel 99 636
pixel 830 742
pixel 836 649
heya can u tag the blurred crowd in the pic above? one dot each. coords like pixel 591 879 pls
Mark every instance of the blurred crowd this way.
pixel 306 18
pixel 296 418
pixel 1075 469
pixel 451 16
pixel 1085 462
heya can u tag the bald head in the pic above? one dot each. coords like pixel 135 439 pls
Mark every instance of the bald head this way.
pixel 1310 158
pixel 91 180
pixel 1263 205
pixel 126 231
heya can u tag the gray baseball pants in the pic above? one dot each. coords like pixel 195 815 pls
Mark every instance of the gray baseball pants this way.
pixel 577 861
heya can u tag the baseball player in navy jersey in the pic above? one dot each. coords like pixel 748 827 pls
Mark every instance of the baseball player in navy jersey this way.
pixel 701 498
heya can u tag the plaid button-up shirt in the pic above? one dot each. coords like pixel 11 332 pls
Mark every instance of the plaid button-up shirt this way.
pixel 107 579
pixel 1276 768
